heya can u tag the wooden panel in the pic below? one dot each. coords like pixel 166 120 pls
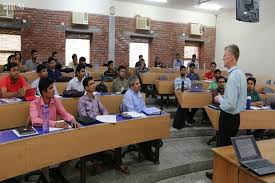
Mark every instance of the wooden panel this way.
pixel 257 119
pixel 224 171
pixel 165 87
pixel 193 99
pixel 61 86
pixel 214 116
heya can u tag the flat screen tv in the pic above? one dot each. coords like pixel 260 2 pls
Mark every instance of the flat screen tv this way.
pixel 247 10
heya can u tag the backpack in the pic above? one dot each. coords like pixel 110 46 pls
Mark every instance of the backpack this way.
pixel 73 93
pixel 101 87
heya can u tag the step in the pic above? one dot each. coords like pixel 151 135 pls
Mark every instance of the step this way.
pixel 178 156
pixel 191 132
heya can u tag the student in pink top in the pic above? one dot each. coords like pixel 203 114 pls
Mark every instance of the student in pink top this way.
pixel 55 107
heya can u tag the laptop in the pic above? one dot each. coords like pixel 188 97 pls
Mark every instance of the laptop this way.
pixel 30 94
pixel 196 87
pixel 249 155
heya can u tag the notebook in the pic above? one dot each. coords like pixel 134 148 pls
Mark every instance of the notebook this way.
pixel 151 111
pixel 30 94
pixel 24 131
pixel 249 155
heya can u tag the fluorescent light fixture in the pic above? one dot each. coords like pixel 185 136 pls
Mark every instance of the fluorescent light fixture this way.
pixel 158 1
pixel 209 6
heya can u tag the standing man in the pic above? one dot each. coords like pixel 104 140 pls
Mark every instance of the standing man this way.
pixel 234 100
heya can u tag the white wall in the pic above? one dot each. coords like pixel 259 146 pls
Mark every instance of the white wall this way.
pixel 125 9
pixel 122 9
pixel 255 40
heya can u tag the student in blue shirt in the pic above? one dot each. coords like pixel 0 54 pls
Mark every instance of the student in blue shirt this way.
pixel 177 62
pixel 192 75
pixel 53 72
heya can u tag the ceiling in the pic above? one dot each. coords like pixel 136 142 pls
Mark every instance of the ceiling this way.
pixel 187 4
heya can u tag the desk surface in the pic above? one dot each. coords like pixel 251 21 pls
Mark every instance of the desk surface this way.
pixel 10 118
pixel 226 165
pixel 28 154
pixel 249 119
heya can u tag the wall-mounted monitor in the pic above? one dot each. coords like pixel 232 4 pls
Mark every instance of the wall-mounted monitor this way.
pixel 247 10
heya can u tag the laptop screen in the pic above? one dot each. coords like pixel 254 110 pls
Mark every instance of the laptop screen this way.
pixel 246 148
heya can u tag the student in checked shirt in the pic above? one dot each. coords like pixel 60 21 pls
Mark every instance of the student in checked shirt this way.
pixel 90 106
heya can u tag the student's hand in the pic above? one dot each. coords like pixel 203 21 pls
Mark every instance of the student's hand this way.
pixel 61 124
pixel 75 124
pixel 259 104
pixel 217 99
pixel 21 92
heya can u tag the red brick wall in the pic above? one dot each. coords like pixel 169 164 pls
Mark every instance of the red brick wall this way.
pixel 43 33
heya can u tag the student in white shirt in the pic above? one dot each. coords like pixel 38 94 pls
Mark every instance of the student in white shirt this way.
pixel 77 82
pixel 42 73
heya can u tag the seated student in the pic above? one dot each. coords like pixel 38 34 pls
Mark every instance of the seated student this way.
pixel 251 91
pixel 58 65
pixel 90 106
pixel 77 82
pixel 142 68
pixel 157 63
pixel 120 83
pixel 186 80
pixel 32 63
pixel 210 75
pixel 177 62
pixel 137 64
pixel 13 85
pixel 42 73
pixel 82 60
pixel 53 73
pixel 111 72
pixel 55 107
pixel 74 63
pixel 213 85
pixel 220 89
pixel 194 61
pixel 192 75
pixel 10 59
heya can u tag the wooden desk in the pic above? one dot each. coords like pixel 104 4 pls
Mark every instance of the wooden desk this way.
pixel 150 78
pixel 11 118
pixel 193 99
pixel 226 168
pixel 61 86
pixel 33 153
pixel 165 87
pixel 250 119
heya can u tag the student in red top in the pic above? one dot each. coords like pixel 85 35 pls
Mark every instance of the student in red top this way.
pixel 13 85
pixel 210 75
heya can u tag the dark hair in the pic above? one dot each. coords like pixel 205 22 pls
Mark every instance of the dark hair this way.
pixel 33 51
pixel 121 67
pixel 192 65
pixel 9 58
pixel 50 59
pixel 156 58
pixel 79 67
pixel 182 67
pixel 252 79
pixel 12 65
pixel 140 56
pixel 110 62
pixel 55 52
pixel 19 54
pixel 177 54
pixel 194 55
pixel 74 55
pixel 86 81
pixel 82 59
pixel 142 60
pixel 217 70
pixel 40 67
pixel 44 84
pixel 220 77
pixel 213 63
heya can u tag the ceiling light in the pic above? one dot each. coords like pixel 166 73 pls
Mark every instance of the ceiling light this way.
pixel 158 1
pixel 208 6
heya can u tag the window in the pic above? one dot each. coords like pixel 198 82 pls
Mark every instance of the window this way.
pixel 9 44
pixel 188 52
pixel 137 49
pixel 80 47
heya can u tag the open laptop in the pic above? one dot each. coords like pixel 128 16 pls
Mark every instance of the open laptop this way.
pixel 30 94
pixel 249 155
pixel 196 87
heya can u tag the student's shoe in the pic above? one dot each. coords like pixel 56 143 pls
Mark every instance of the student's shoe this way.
pixel 209 175
pixel 188 124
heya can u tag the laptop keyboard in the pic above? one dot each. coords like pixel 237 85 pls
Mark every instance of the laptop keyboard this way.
pixel 259 164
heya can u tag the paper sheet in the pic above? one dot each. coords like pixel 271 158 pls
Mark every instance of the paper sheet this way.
pixel 106 118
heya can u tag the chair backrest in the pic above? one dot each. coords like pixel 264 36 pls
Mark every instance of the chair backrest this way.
pixel 268 82
pixel 267 90
pixel 269 100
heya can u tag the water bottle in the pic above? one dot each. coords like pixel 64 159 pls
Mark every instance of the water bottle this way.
pixel 248 103
pixel 182 86
pixel 45 113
